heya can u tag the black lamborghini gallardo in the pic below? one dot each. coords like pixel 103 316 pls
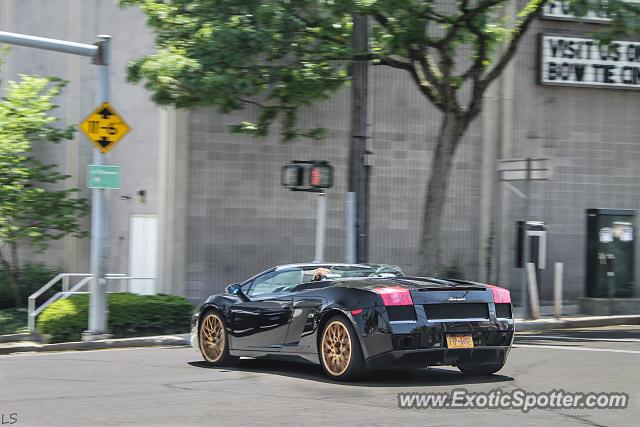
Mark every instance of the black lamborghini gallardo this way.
pixel 349 317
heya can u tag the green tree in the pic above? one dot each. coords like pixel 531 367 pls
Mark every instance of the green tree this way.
pixel 31 210
pixel 282 55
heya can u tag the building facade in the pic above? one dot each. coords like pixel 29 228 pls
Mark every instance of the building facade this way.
pixel 212 211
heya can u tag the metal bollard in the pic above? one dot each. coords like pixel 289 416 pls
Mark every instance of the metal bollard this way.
pixel 557 288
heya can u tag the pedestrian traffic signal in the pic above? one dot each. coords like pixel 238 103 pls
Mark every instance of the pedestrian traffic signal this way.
pixel 312 175
pixel 292 176
pixel 321 176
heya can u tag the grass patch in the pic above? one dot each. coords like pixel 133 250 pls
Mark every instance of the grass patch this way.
pixel 13 321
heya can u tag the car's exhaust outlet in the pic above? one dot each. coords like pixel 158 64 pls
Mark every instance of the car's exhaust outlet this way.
pixel 504 339
pixel 406 341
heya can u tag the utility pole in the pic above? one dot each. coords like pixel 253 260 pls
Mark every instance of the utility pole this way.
pixel 360 147
pixel 100 54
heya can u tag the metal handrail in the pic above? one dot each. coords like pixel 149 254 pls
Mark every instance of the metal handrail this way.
pixel 33 312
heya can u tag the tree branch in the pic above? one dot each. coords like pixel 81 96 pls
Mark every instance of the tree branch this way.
pixel 480 84
pixel 426 86
pixel 395 63
pixel 517 34
pixel 261 105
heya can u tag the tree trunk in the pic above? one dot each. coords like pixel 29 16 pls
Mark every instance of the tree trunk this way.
pixel 451 131
pixel 14 275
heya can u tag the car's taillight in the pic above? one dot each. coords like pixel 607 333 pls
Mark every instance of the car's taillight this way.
pixel 395 295
pixel 500 295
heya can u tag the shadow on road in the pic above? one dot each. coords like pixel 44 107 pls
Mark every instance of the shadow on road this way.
pixel 580 337
pixel 377 378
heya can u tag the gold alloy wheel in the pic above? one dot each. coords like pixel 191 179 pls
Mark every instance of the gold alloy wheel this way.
pixel 336 348
pixel 212 339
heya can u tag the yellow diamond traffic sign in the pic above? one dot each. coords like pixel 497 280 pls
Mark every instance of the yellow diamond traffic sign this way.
pixel 104 127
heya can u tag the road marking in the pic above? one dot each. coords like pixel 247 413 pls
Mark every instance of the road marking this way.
pixel 559 338
pixel 59 352
pixel 560 347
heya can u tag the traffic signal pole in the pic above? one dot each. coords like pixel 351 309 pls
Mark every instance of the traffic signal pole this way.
pixel 358 170
pixel 321 226
pixel 100 53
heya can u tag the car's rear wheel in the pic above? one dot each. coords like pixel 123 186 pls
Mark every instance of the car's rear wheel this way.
pixel 213 340
pixel 340 352
pixel 480 368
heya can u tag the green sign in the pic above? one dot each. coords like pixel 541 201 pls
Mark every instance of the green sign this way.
pixel 107 177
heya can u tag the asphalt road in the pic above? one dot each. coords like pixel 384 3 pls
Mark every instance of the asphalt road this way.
pixel 170 386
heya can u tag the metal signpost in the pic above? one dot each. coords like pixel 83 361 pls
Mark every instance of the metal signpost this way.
pixel 100 54
pixel 518 170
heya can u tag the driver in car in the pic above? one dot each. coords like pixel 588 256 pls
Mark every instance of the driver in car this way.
pixel 319 274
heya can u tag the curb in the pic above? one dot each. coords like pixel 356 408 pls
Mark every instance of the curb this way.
pixel 521 325
pixel 162 340
pixel 23 337
pixel 575 322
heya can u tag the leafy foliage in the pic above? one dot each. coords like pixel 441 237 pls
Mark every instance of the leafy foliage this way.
pixel 13 321
pixel 282 54
pixel 623 13
pixel 31 209
pixel 28 211
pixel 277 55
pixel 130 315
pixel 31 278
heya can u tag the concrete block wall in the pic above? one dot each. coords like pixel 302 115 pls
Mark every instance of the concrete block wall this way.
pixel 241 221
pixel 592 139
pixel 136 154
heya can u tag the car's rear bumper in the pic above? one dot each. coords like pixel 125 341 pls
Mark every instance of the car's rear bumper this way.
pixel 424 342
pixel 439 356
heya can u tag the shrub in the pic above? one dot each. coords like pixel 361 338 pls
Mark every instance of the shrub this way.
pixel 6 293
pixel 130 315
pixel 32 277
pixel 13 321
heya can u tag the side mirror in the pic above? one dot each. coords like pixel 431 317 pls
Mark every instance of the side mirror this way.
pixel 235 289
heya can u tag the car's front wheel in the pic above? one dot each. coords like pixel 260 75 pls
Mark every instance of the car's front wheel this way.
pixel 213 340
pixel 340 352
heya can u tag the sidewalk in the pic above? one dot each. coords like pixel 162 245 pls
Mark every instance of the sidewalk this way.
pixel 157 341
pixel 570 319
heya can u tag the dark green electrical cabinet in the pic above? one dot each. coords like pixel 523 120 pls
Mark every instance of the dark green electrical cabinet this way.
pixel 610 255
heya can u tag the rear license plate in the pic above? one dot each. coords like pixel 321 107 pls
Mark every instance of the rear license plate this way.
pixel 459 341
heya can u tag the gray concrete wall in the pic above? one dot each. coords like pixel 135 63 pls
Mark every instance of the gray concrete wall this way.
pixel 136 154
pixel 224 215
pixel 242 221
pixel 591 137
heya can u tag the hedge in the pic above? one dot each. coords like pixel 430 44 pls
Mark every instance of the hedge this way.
pixel 130 315
pixel 32 277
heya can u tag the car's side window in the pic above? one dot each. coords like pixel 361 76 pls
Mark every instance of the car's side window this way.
pixel 276 282
pixel 246 286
